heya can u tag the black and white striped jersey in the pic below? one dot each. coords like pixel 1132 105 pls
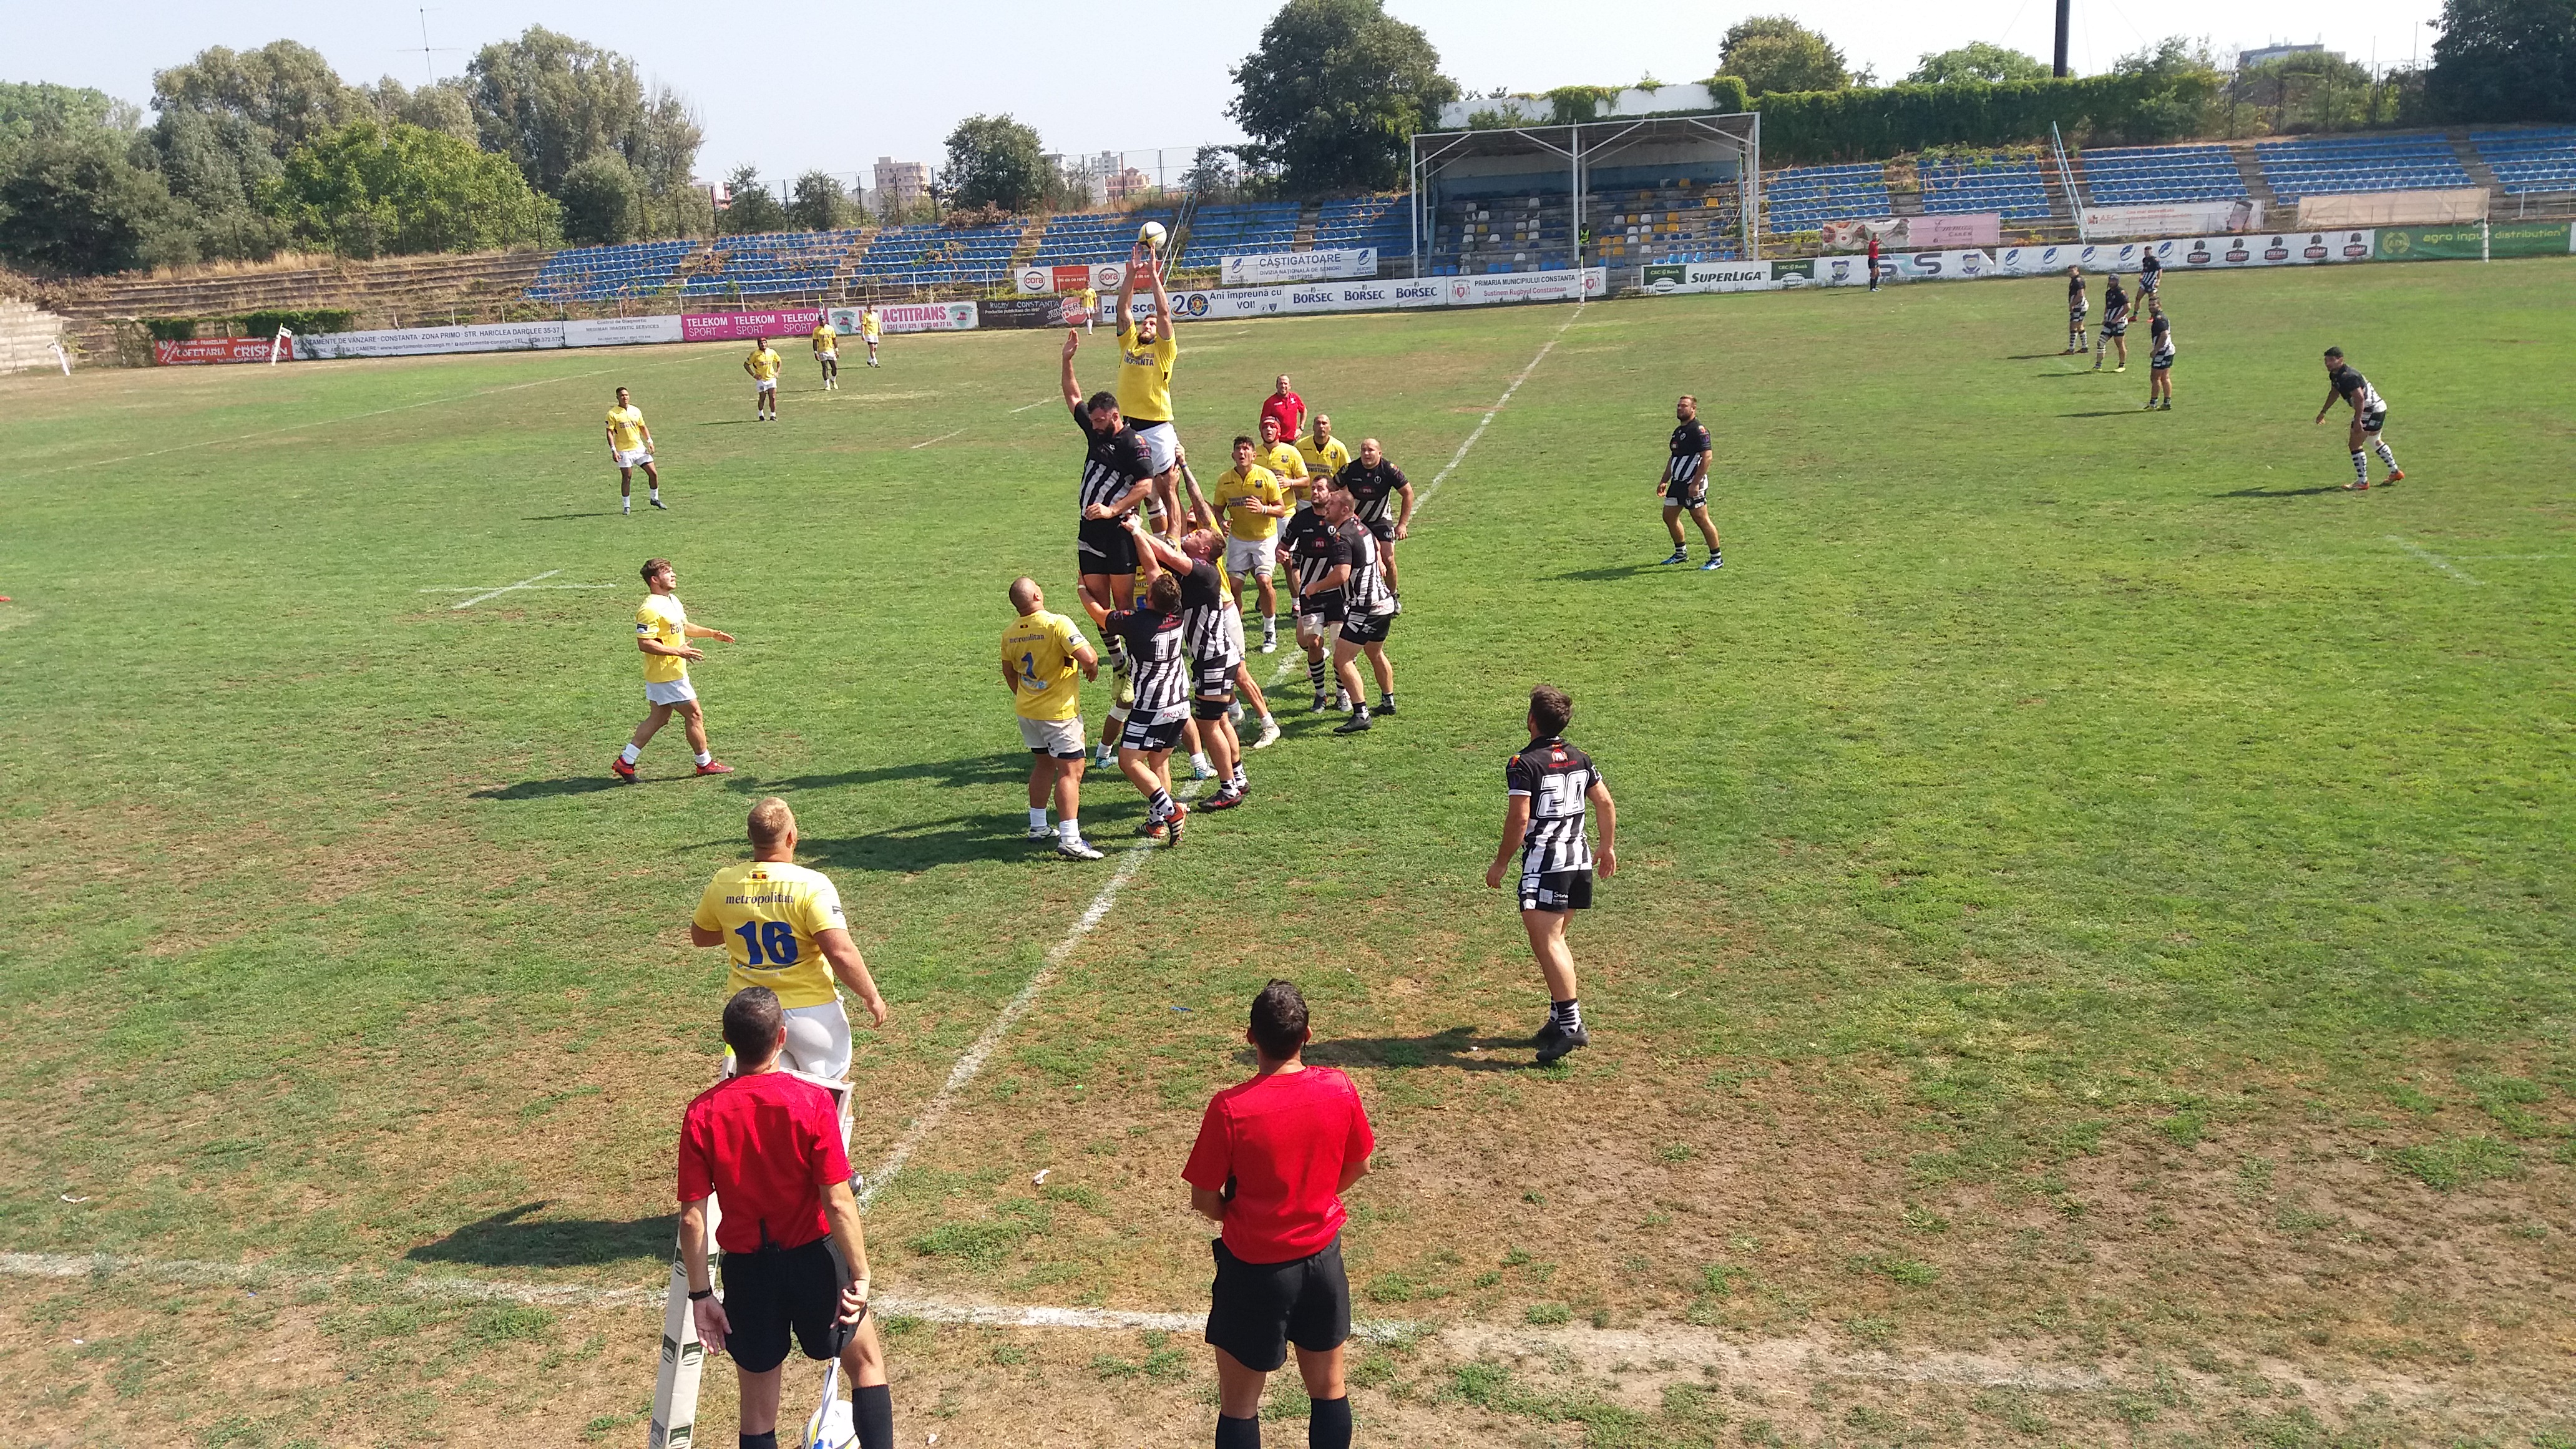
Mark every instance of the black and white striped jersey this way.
pixel 1366 592
pixel 1372 490
pixel 1203 605
pixel 1690 440
pixel 1112 463
pixel 2355 389
pixel 1557 778
pixel 1160 669
pixel 1309 541
pixel 2161 345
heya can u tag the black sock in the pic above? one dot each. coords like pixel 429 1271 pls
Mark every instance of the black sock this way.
pixel 1157 805
pixel 1567 1014
pixel 1238 1433
pixel 1385 698
pixel 760 1441
pixel 872 1410
pixel 1328 1424
pixel 1315 672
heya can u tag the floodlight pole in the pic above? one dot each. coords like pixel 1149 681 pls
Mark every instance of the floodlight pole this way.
pixel 2063 8
pixel 1413 197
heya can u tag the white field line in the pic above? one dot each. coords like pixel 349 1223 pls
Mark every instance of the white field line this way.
pixel 1041 402
pixel 943 437
pixel 968 1066
pixel 1487 420
pixel 478 588
pixel 2436 560
pixel 504 589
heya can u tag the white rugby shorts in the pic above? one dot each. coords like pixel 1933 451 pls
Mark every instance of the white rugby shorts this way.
pixel 818 1040
pixel 1063 739
pixel 1161 442
pixel 1256 557
pixel 764 384
pixel 675 692
pixel 634 457
pixel 828 354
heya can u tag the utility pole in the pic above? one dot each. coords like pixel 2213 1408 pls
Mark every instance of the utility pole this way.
pixel 2063 8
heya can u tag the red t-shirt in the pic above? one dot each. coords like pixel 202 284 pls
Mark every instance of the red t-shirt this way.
pixel 1290 410
pixel 1284 1139
pixel 766 1145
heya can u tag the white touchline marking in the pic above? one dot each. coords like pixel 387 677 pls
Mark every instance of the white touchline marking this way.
pixel 1041 402
pixel 504 589
pixel 960 1075
pixel 1487 420
pixel 477 588
pixel 2435 559
pixel 943 437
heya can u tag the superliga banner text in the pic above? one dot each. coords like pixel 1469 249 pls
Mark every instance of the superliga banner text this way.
pixel 1320 265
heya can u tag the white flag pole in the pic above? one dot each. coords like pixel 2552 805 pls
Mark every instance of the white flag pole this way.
pixel 282 338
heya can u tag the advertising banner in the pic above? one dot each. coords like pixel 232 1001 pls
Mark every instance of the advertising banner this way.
pixel 728 326
pixel 2278 249
pixel 927 317
pixel 1929 266
pixel 421 341
pixel 1938 233
pixel 1034 281
pixel 2466 243
pixel 1558 286
pixel 1027 311
pixel 1038 281
pixel 2194 219
pixel 1324 264
pixel 198 350
pixel 2455 206
pixel 621 331
pixel 1666 278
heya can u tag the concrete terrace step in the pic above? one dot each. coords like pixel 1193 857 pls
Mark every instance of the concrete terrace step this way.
pixel 2249 166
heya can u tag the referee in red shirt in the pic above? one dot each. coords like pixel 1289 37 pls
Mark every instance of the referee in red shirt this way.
pixel 1288 408
pixel 1273 1158
pixel 768 1144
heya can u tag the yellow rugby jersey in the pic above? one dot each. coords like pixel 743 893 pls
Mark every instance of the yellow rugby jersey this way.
pixel 825 339
pixel 1325 461
pixel 626 428
pixel 763 364
pixel 1260 486
pixel 868 325
pixel 661 619
pixel 1038 650
pixel 770 912
pixel 1145 375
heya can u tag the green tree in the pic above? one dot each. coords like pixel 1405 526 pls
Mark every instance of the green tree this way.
pixel 2178 85
pixel 369 189
pixel 817 203
pixel 441 106
pixel 213 168
pixel 283 94
pixel 29 107
pixel 550 102
pixel 994 161
pixel 73 202
pixel 752 207
pixel 2504 60
pixel 1775 53
pixel 1333 90
pixel 2307 91
pixel 1977 60
pixel 603 202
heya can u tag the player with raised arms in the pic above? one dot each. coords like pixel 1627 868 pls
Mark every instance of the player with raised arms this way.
pixel 763 364
pixel 1117 475
pixel 2369 415
pixel 1546 787
pixel 781 926
pixel 630 446
pixel 1684 483
pixel 662 633
pixel 1146 352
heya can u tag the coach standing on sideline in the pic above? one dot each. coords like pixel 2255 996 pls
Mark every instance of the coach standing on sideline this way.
pixel 769 1144
pixel 1273 1158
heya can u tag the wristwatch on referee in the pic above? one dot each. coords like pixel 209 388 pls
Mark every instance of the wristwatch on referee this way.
pixel 700 1295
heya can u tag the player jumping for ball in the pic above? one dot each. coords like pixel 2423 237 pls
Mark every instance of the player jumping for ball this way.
pixel 1684 483
pixel 1546 787
pixel 1146 352
pixel 2369 414
pixel 630 446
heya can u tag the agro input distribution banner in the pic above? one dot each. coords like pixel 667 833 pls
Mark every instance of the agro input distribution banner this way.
pixel 420 341
pixel 1321 265
pixel 2469 244
pixel 215 349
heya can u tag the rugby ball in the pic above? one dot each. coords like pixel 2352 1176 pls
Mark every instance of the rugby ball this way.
pixel 1152 235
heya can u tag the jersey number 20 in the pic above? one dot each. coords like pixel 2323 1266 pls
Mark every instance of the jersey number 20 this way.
pixel 777 938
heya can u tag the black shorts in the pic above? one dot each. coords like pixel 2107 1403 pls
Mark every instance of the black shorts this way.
pixel 1213 690
pixel 1556 890
pixel 2075 316
pixel 1104 546
pixel 1150 737
pixel 2115 329
pixel 1255 1310
pixel 2374 420
pixel 2147 281
pixel 1367 628
pixel 2160 364
pixel 1686 495
pixel 1383 529
pixel 1326 606
pixel 769 1293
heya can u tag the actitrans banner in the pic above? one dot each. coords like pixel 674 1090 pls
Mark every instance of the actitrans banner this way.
pixel 1321 265
pixel 422 341
pixel 622 331
pixel 198 350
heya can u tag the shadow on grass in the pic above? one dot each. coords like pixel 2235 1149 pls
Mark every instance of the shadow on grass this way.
pixel 566 785
pixel 983 835
pixel 1449 1049
pixel 976 771
pixel 559 517
pixel 1609 572
pixel 505 1240
pixel 2036 356
pixel 2285 492
pixel 2110 413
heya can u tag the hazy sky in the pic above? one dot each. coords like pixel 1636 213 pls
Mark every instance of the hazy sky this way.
pixel 795 86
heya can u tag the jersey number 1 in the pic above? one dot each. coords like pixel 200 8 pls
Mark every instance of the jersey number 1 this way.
pixel 777 938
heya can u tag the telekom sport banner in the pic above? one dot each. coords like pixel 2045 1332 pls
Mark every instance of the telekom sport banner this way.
pixel 795 321
pixel 214 349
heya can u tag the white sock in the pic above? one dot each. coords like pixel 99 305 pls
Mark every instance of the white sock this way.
pixel 1068 830
pixel 1200 761
pixel 626 505
pixel 1037 817
pixel 1267 722
pixel 630 754
pixel 657 494
pixel 705 758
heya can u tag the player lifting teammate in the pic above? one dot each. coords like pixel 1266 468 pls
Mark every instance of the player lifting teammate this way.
pixel 1146 352
pixel 827 351
pixel 1161 677
pixel 2077 304
pixel 1684 484
pixel 1546 787
pixel 2369 414
pixel 630 446
pixel 1117 474
pixel 662 633
pixel 763 365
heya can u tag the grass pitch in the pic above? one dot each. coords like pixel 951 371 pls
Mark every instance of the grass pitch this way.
pixel 2090 963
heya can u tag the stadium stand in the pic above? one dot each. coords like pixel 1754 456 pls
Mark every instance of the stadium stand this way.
pixel 2537 158
pixel 1501 234
pixel 1802 198
pixel 1240 230
pixel 930 256
pixel 1684 222
pixel 2013 186
pixel 2335 164
pixel 1090 238
pixel 1366 221
pixel 770 264
pixel 597 274
pixel 2155 175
